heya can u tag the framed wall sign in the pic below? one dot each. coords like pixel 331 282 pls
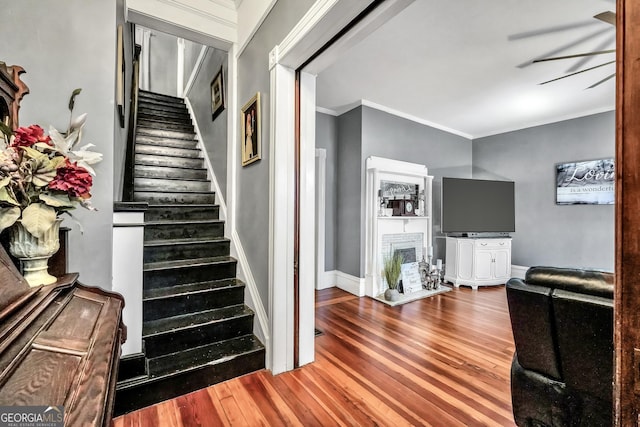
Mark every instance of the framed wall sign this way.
pixel 217 95
pixel 585 183
pixel 250 119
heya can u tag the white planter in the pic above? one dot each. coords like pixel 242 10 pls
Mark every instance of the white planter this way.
pixel 34 253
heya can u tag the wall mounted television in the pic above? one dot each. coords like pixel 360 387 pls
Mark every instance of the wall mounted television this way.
pixel 474 206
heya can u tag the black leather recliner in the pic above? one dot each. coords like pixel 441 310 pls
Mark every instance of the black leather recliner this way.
pixel 562 370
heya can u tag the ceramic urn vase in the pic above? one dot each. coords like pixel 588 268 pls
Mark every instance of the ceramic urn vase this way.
pixel 34 252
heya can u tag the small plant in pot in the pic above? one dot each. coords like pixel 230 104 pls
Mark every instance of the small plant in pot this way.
pixel 391 272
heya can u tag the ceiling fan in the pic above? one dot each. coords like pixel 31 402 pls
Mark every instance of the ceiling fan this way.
pixel 608 17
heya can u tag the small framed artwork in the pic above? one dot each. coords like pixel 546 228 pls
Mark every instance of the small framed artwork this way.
pixel 250 119
pixel 217 95
pixel 586 183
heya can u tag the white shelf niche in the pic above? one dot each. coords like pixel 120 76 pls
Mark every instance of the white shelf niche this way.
pixel 382 169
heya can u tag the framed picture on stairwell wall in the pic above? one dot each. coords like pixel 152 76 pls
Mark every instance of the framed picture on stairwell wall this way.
pixel 251 141
pixel 217 95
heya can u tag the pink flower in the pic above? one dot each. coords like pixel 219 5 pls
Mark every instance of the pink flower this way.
pixel 26 137
pixel 75 180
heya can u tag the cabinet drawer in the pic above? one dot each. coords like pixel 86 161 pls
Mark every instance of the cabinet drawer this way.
pixel 492 243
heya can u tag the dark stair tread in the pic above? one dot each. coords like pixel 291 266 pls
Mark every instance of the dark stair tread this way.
pixel 154 95
pixel 183 241
pixel 167 191
pixel 153 144
pixel 193 320
pixel 170 178
pixel 191 262
pixel 182 205
pixel 184 221
pixel 190 288
pixel 164 156
pixel 168 167
pixel 209 354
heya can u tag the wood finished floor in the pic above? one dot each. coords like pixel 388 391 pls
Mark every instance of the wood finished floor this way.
pixel 440 361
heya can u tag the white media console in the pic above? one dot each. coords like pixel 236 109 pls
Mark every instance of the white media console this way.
pixel 478 261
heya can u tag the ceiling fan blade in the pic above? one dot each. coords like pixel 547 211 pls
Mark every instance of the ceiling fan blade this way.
pixel 577 55
pixel 608 17
pixel 577 72
pixel 569 45
pixel 602 81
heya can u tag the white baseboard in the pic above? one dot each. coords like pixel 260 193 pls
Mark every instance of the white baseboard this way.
pixel 346 282
pixel 518 271
pixel 252 297
pixel 327 280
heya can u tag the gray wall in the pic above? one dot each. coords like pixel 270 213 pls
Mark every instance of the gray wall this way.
pixel 191 53
pixel 349 179
pixel 327 138
pixel 62 46
pixel 253 181
pixel 163 65
pixel 214 133
pixel 546 233
pixel 365 132
pixel 443 153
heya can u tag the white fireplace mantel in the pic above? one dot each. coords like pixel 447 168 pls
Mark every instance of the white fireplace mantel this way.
pixel 382 169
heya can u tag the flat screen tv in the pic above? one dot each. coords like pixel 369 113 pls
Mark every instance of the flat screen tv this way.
pixel 471 206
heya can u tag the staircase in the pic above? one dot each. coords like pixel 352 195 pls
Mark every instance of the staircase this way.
pixel 197 331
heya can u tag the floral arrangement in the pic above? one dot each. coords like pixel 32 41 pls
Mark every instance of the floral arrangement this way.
pixel 42 176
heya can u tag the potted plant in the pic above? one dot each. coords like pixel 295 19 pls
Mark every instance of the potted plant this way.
pixel 41 177
pixel 391 273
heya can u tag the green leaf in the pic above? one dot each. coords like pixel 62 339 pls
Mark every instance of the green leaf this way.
pixel 57 200
pixel 5 181
pixel 7 197
pixel 5 129
pixel 8 216
pixel 37 218
pixel 72 100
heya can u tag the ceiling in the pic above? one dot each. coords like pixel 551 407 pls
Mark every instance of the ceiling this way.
pixel 465 65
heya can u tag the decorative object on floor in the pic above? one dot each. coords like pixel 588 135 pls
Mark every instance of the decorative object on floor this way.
pixel 411 280
pixel 217 95
pixel 585 183
pixel 391 273
pixel 251 129
pixel 405 298
pixel 41 177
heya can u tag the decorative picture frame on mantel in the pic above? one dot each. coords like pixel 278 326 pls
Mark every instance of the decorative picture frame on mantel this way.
pixel 251 142
pixel 217 95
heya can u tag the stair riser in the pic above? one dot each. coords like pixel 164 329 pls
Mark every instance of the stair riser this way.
pixel 137 397
pixel 178 162
pixel 192 303
pixel 159 114
pixel 183 231
pixel 159 150
pixel 186 251
pixel 155 124
pixel 183 339
pixel 168 198
pixel 159 97
pixel 160 172
pixel 182 213
pixel 166 142
pixel 166 133
pixel 163 106
pixel 150 184
pixel 188 274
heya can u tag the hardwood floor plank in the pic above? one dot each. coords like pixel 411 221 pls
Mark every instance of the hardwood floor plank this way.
pixel 440 361
pixel 196 409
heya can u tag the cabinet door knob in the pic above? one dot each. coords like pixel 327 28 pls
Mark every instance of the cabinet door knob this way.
pixel 483 244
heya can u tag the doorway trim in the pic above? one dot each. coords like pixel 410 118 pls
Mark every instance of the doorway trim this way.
pixel 324 20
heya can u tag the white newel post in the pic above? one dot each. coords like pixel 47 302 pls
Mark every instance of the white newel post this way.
pixel 127 267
